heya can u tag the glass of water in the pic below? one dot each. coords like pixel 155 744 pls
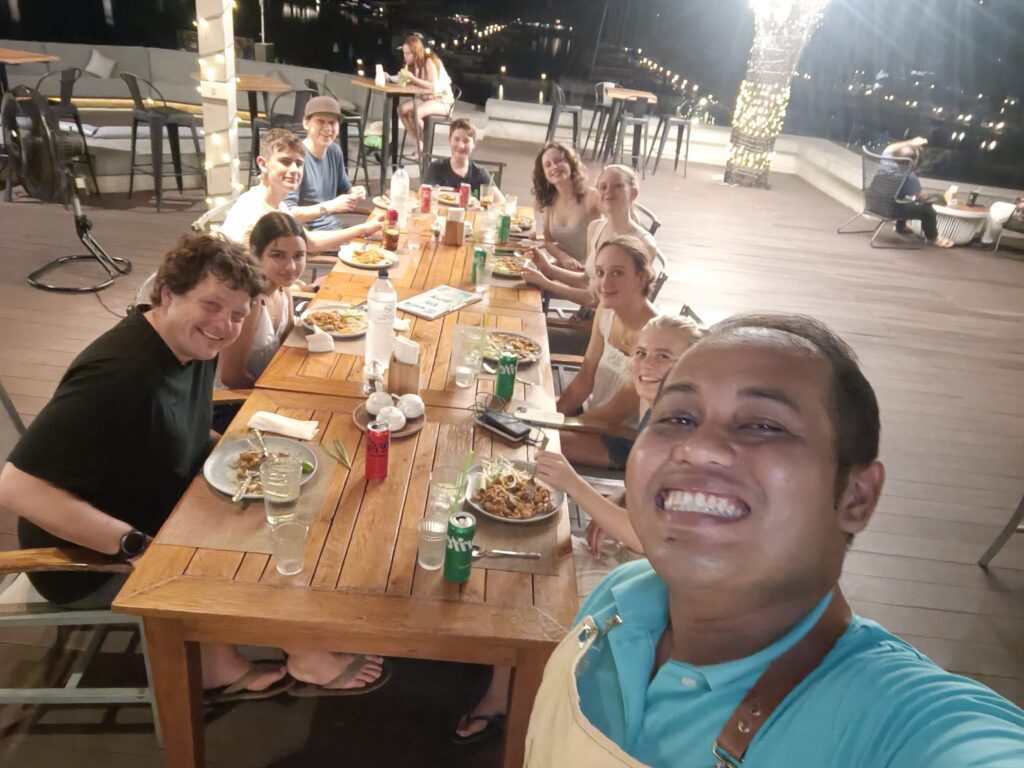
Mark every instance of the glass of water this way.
pixel 280 477
pixel 467 353
pixel 445 491
pixel 289 540
pixel 432 535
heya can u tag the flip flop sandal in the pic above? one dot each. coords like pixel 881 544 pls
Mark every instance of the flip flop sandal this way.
pixel 237 690
pixel 495 724
pixel 334 688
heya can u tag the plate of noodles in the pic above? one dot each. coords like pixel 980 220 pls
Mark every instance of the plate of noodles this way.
pixel 523 347
pixel 231 462
pixel 502 490
pixel 367 256
pixel 342 321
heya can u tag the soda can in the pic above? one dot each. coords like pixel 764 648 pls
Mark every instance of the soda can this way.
pixel 504 226
pixel 458 553
pixel 504 387
pixel 426 193
pixel 378 443
pixel 479 262
pixel 392 217
pixel 464 190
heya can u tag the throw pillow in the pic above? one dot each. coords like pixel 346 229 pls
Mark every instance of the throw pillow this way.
pixel 100 66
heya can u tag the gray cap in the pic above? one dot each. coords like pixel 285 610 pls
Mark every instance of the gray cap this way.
pixel 322 105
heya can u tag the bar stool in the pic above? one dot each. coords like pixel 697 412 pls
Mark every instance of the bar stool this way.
pixel 430 123
pixel 558 106
pixel 671 115
pixel 291 122
pixel 602 112
pixel 639 119
pixel 65 109
pixel 158 118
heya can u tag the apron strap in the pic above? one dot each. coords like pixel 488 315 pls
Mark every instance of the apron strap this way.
pixel 777 682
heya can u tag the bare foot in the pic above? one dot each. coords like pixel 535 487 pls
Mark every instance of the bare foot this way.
pixel 321 667
pixel 223 665
pixel 492 703
pixel 942 242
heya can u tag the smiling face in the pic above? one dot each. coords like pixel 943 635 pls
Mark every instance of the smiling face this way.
pixel 198 324
pixel 283 261
pixel 616 279
pixel 282 171
pixel 656 350
pixel 322 130
pixel 733 483
pixel 556 166
pixel 461 143
pixel 615 192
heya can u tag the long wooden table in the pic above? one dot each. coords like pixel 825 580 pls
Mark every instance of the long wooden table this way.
pixel 17 56
pixel 360 589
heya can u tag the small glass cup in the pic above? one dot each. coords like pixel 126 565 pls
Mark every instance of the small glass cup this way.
pixel 289 540
pixel 467 353
pixel 512 205
pixel 280 477
pixel 445 488
pixel 432 534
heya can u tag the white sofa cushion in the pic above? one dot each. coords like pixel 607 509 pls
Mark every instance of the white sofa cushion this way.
pixel 100 66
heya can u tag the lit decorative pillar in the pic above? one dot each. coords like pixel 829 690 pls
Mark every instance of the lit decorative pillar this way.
pixel 781 30
pixel 217 87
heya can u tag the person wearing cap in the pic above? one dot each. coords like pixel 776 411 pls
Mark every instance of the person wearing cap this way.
pixel 325 190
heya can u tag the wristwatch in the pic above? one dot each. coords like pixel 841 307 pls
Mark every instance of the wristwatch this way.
pixel 133 544
pixel 323 210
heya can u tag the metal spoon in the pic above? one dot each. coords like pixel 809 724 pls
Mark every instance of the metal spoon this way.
pixel 479 552
pixel 243 487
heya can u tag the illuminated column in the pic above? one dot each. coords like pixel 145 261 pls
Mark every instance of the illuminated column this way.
pixel 217 87
pixel 781 30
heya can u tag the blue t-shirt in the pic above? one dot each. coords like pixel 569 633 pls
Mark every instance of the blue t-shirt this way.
pixel 323 179
pixel 873 702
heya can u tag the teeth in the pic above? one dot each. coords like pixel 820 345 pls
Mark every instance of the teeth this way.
pixel 209 336
pixel 704 504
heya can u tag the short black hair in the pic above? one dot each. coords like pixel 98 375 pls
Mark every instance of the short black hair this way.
pixel 853 406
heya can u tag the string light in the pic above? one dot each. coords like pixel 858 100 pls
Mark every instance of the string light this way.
pixel 217 68
pixel 781 30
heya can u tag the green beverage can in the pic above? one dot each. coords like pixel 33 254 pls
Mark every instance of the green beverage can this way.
pixel 504 226
pixel 458 553
pixel 479 260
pixel 506 383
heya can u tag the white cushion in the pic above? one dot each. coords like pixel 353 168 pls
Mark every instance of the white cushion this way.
pixel 100 66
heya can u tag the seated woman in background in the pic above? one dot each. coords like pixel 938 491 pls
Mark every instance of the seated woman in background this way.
pixel 617 189
pixel 658 346
pixel 279 243
pixel 622 282
pixel 423 69
pixel 459 169
pixel 567 202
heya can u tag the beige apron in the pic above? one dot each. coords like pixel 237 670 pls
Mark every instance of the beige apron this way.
pixel 559 734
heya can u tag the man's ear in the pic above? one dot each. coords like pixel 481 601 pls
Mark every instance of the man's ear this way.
pixel 859 498
pixel 261 163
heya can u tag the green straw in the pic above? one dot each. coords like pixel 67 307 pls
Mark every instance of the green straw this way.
pixel 342 453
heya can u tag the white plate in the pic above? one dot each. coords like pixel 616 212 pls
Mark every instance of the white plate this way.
pixel 347 251
pixel 522 360
pixel 474 480
pixel 327 306
pixel 384 202
pixel 221 475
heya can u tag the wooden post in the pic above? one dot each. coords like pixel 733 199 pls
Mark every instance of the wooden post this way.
pixel 220 107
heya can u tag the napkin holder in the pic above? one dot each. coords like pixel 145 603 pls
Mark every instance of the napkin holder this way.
pixel 380 78
pixel 454 227
pixel 404 371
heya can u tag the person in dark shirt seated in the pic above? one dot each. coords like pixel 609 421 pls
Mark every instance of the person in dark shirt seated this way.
pixel 459 169
pixel 918 207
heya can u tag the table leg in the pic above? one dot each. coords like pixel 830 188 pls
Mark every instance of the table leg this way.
pixel 385 140
pixel 526 677
pixel 611 137
pixel 4 85
pixel 177 684
pixel 394 131
pixel 254 141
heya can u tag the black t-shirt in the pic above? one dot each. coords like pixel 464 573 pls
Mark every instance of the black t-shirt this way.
pixel 440 173
pixel 126 431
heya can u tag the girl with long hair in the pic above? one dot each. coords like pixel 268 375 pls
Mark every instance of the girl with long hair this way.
pixel 566 201
pixel 423 69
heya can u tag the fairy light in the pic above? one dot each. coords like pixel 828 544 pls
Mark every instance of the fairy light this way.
pixel 218 88
pixel 781 31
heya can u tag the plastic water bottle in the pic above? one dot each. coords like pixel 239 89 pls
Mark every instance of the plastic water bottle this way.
pixel 380 317
pixel 400 195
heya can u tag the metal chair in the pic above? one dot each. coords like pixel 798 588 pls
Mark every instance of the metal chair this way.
pixel 653 222
pixel 158 118
pixel 602 112
pixel 64 109
pixel 430 123
pixel 1013 526
pixel 558 106
pixel 672 113
pixel 638 118
pixel 22 606
pixel 1015 224
pixel 289 121
pixel 881 181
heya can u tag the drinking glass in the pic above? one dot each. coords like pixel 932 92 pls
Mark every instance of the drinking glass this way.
pixel 280 476
pixel 444 493
pixel 467 353
pixel 512 205
pixel 432 534
pixel 289 540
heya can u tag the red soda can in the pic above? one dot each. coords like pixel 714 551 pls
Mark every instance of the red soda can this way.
pixel 464 190
pixel 378 441
pixel 392 217
pixel 426 193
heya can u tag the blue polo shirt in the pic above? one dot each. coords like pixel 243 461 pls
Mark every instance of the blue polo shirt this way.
pixel 873 702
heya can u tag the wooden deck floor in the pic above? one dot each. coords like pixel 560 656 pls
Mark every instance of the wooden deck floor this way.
pixel 939 332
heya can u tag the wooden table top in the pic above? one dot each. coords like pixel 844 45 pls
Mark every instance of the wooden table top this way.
pixel 391 89
pixel 260 83
pixel 616 92
pixel 16 56
pixel 360 580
